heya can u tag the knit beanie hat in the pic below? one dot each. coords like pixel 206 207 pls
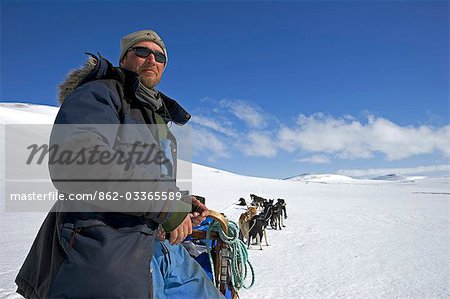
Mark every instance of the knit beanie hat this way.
pixel 131 39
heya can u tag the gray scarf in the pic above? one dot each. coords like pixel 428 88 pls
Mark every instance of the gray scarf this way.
pixel 148 95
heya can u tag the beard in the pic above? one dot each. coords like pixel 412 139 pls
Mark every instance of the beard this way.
pixel 149 82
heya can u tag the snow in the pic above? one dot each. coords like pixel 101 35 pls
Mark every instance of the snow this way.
pixel 23 113
pixel 344 237
pixel 321 178
pixel 396 177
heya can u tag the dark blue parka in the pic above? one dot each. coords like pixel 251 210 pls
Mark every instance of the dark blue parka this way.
pixel 99 254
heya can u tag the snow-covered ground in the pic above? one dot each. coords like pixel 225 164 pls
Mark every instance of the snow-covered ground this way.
pixel 344 237
pixel 22 113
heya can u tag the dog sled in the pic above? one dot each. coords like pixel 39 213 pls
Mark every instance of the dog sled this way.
pixel 225 260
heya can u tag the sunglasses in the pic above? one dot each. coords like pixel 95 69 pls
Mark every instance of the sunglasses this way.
pixel 144 52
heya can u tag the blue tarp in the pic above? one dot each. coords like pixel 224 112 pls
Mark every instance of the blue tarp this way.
pixel 178 275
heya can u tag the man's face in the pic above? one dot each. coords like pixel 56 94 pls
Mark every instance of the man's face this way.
pixel 150 71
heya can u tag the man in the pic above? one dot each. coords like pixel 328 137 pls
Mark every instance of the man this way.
pixel 92 252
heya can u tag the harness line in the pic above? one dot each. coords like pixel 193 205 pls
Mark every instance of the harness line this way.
pixel 238 254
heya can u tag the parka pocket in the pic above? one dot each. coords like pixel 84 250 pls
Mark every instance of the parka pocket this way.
pixel 104 262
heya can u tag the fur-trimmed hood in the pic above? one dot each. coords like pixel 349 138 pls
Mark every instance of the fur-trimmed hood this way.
pixel 97 68
pixel 75 77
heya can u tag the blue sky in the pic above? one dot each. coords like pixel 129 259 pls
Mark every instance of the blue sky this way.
pixel 275 88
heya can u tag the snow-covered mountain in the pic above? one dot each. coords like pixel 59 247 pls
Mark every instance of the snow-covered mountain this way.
pixel 321 178
pixel 344 237
pixel 389 177
pixel 396 177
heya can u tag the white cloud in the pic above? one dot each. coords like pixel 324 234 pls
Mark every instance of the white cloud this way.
pixel 351 139
pixel 398 142
pixel 250 114
pixel 430 169
pixel 319 138
pixel 214 125
pixel 316 159
pixel 260 144
pixel 207 142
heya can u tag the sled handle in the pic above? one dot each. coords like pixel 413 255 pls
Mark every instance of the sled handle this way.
pixel 197 234
pixel 221 219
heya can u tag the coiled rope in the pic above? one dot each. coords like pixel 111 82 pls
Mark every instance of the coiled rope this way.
pixel 238 258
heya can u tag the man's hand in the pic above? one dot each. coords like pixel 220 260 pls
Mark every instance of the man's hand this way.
pixel 180 233
pixel 185 228
pixel 200 213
